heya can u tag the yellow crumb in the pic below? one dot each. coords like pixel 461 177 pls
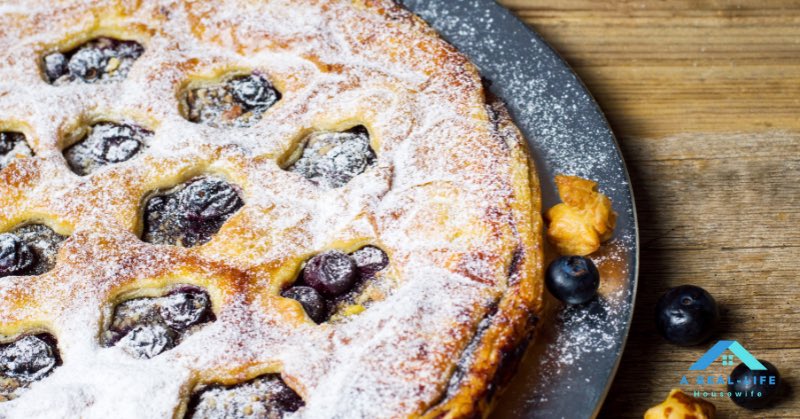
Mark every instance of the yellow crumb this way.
pixel 113 64
pixel 679 405
pixel 583 220
pixel 353 310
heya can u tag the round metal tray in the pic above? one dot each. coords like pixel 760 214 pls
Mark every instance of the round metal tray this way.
pixel 568 371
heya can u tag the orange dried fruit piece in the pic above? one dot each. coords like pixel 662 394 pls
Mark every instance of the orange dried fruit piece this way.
pixel 679 405
pixel 584 219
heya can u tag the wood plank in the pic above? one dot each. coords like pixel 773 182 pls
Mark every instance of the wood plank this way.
pixel 705 99
pixel 731 69
pixel 716 211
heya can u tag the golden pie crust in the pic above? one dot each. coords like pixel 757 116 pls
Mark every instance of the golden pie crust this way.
pixel 453 200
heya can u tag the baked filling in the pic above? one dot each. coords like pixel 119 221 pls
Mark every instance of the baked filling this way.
pixel 101 60
pixel 190 213
pixel 13 146
pixel 24 361
pixel 29 250
pixel 239 101
pixel 332 159
pixel 146 327
pixel 106 143
pixel 336 284
pixel 265 397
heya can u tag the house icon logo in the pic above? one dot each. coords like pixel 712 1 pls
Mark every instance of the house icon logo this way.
pixel 719 350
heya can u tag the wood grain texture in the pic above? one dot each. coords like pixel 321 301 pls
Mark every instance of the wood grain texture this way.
pixel 704 97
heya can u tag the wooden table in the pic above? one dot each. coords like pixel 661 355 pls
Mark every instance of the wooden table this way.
pixel 704 97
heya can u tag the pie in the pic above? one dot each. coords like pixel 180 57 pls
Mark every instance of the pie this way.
pixel 252 208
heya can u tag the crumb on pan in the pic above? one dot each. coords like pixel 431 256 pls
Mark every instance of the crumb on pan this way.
pixel 584 219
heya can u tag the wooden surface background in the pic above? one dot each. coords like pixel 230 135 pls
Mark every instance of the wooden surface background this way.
pixel 704 97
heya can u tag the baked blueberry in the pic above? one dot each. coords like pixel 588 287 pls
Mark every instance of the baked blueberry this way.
pixel 100 60
pixel 331 273
pixel 284 398
pixel 148 326
pixel 209 199
pixel 16 256
pixel 166 223
pixel 162 220
pixel 687 315
pixel 191 213
pixel 370 260
pixel 572 279
pixel 266 397
pixel 182 310
pixel 28 359
pixel 12 146
pixel 754 389
pixel 128 314
pixel 147 340
pixel 87 64
pixel 9 140
pixel 239 101
pixel 333 282
pixel 130 50
pixel 311 300
pixel 35 248
pixel 55 66
pixel 6 143
pixel 253 91
pixel 106 143
pixel 331 159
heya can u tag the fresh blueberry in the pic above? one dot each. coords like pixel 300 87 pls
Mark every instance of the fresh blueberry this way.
pixel 15 255
pixel 55 66
pixel 755 389
pixel 28 359
pixel 370 260
pixel 253 91
pixel 572 279
pixel 182 310
pixel 687 315
pixel 310 299
pixel 147 340
pixel 331 273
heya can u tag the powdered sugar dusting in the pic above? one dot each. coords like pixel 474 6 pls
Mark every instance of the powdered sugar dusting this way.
pixel 576 353
pixel 439 200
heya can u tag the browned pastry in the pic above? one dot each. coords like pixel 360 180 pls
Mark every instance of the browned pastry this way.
pixel 251 208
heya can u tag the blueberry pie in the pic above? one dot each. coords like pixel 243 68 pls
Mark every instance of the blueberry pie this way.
pixel 256 208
